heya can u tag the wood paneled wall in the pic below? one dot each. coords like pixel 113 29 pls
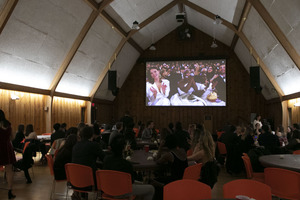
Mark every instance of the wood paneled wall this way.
pixel 242 100
pixel 68 111
pixel 29 109
pixel 295 111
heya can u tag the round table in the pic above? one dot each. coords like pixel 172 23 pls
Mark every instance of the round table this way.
pixel 284 161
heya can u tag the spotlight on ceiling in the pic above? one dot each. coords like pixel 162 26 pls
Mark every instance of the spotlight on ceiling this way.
pixel 214 44
pixel 135 25
pixel 218 20
pixel 152 47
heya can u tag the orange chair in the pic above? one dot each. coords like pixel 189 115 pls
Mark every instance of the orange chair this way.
pixel 189 152
pixel 114 183
pixel 219 133
pixel 246 187
pixel 186 189
pixel 284 183
pixel 297 152
pixel 25 146
pixel 258 176
pixel 136 131
pixel 50 165
pixel 222 148
pixel 80 177
pixel 193 172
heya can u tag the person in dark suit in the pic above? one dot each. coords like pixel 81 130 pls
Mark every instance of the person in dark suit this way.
pixel 127 120
pixel 59 133
pixel 219 83
pixel 268 140
pixel 19 137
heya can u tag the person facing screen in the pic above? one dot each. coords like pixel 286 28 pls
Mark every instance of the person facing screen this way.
pixel 157 89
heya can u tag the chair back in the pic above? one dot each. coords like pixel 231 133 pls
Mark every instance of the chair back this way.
pixel 297 152
pixel 186 189
pixel 193 172
pixel 248 166
pixel 222 148
pixel 50 163
pixel 189 152
pixel 246 187
pixel 284 183
pixel 80 176
pixel 114 183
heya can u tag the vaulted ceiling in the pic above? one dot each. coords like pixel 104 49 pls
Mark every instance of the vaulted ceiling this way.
pixel 66 47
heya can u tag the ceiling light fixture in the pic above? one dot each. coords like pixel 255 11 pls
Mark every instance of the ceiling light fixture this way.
pixel 214 44
pixel 218 20
pixel 135 25
pixel 152 47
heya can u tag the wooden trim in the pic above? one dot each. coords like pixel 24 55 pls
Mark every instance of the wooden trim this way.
pixel 291 96
pixel 102 101
pixel 9 86
pixel 73 50
pixel 107 67
pixel 6 13
pixel 92 4
pixel 242 21
pixel 103 4
pixel 289 48
pixel 261 63
pixel 210 15
pixel 71 96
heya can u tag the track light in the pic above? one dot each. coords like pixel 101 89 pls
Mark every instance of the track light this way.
pixel 152 47
pixel 135 25
pixel 218 20
pixel 214 44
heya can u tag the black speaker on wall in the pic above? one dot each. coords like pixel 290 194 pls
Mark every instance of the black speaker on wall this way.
pixel 112 80
pixel 255 78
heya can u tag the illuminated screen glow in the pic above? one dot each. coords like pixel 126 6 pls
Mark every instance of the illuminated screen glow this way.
pixel 186 83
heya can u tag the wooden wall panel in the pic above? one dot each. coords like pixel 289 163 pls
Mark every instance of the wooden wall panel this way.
pixel 29 109
pixel 68 111
pixel 241 99
pixel 295 110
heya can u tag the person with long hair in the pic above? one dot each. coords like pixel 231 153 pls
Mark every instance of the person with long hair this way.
pixel 19 137
pixel 204 150
pixel 29 133
pixel 7 155
pixel 157 88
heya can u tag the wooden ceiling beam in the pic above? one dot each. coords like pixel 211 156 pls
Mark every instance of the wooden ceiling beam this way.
pixel 7 10
pixel 210 15
pixel 291 96
pixel 107 67
pixel 265 15
pixel 261 63
pixel 72 51
pixel 92 4
pixel 21 88
pixel 103 4
pixel 242 21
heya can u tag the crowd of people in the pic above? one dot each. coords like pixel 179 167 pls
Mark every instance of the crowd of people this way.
pixel 178 147
pixel 185 83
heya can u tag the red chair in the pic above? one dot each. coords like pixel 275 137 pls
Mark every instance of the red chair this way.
pixel 136 131
pixel 50 165
pixel 258 176
pixel 193 172
pixel 189 152
pixel 80 177
pixel 114 184
pixel 297 152
pixel 222 148
pixel 246 187
pixel 186 189
pixel 284 183
pixel 219 133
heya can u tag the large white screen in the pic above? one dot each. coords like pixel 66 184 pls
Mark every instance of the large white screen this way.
pixel 186 83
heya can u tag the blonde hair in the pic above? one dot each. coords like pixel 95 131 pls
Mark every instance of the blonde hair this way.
pixel 207 144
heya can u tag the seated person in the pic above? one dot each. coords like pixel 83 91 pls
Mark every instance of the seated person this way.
pixel 19 137
pixel 268 140
pixel 116 132
pixel 175 158
pixel 148 131
pixel 64 156
pixel 116 162
pixel 86 152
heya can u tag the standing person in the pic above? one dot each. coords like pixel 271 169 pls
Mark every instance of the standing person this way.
pixel 257 122
pixel 7 155
pixel 114 133
pixel 127 120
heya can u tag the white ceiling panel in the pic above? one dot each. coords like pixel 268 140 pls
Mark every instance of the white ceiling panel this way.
pixel 2 2
pixel 286 16
pixel 40 33
pixel 206 25
pixel 123 65
pixel 91 58
pixel 284 70
pixel 243 53
pixel 137 10
pixel 225 9
pixel 157 29
pixel 259 35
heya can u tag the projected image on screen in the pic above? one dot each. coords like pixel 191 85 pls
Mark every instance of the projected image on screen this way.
pixel 186 83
